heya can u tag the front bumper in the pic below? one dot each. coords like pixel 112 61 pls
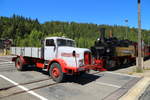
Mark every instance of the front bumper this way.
pixel 72 70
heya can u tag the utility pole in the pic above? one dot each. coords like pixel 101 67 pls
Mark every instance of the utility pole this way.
pixel 148 40
pixel 126 21
pixel 140 58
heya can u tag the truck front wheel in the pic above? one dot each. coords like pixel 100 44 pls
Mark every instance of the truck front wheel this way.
pixel 56 73
pixel 19 64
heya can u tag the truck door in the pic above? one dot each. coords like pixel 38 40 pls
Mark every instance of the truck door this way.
pixel 49 49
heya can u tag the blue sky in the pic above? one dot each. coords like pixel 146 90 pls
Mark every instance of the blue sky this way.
pixel 112 12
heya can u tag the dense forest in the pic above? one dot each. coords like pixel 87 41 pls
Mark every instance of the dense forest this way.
pixel 29 32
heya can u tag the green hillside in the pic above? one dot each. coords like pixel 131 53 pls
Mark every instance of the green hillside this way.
pixel 29 32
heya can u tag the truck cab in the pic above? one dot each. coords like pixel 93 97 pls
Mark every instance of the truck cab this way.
pixel 51 45
pixel 64 51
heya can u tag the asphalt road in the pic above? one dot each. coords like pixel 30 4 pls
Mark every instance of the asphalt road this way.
pixel 35 84
pixel 146 94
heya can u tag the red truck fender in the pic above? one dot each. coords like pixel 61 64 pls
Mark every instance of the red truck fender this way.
pixel 62 63
pixel 22 59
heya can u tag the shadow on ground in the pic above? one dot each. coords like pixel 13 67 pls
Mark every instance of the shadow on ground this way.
pixel 79 79
pixel 33 68
pixel 123 66
pixel 82 80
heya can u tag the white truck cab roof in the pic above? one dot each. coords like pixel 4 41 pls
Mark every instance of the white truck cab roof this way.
pixel 61 41
pixel 55 38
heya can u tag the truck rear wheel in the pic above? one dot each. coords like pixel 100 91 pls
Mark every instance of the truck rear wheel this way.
pixel 19 64
pixel 56 73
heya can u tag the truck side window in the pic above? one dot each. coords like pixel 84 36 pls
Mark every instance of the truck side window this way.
pixel 50 42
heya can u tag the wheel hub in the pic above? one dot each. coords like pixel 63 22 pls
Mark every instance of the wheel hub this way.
pixel 55 72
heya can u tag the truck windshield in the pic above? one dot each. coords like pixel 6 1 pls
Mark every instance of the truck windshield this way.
pixel 64 42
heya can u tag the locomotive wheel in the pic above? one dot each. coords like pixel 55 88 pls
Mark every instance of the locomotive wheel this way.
pixel 19 64
pixel 110 64
pixel 125 61
pixel 56 73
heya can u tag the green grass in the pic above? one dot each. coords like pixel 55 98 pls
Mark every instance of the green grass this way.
pixel 139 70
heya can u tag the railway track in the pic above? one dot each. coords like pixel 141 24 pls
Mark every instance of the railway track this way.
pixel 26 83
pixel 6 88
pixel 7 67
pixel 22 84
pixel 16 93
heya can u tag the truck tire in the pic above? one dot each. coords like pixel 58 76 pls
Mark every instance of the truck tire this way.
pixel 56 73
pixel 19 64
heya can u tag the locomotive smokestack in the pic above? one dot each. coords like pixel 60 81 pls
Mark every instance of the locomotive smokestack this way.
pixel 102 34
pixel 110 34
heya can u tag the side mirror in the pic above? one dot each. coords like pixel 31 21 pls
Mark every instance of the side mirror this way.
pixel 74 53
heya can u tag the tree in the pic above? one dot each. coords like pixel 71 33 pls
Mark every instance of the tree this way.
pixel 29 32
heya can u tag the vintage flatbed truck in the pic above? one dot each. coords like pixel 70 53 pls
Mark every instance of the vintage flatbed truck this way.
pixel 58 55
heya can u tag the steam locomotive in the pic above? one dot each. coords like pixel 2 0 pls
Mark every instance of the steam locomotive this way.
pixel 112 51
